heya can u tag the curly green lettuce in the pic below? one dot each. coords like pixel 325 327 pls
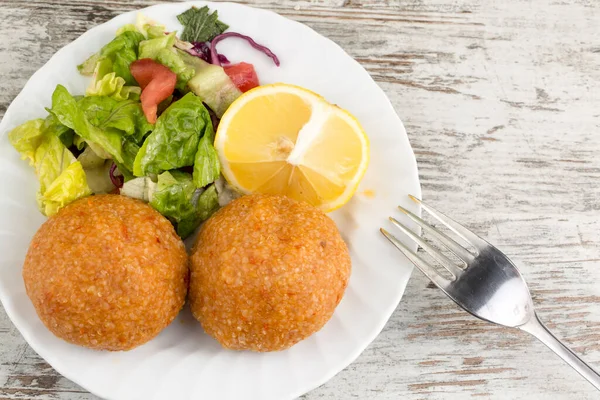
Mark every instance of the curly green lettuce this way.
pixel 61 178
pixel 69 186
pixel 26 138
pixel 105 82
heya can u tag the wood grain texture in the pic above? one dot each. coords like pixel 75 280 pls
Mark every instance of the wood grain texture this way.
pixel 501 101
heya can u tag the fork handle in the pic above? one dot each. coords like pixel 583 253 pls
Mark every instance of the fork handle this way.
pixel 539 330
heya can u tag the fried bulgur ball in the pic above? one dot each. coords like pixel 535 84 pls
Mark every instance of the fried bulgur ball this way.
pixel 267 272
pixel 106 272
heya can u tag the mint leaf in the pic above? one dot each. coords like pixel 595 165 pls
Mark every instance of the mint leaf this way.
pixel 200 25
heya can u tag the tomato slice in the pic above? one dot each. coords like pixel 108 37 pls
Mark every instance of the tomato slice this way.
pixel 143 70
pixel 157 83
pixel 242 75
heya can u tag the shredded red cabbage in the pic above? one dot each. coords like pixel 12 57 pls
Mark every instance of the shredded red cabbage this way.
pixel 202 50
pixel 116 180
pixel 215 59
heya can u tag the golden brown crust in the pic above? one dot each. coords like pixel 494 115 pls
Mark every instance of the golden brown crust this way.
pixel 107 272
pixel 267 272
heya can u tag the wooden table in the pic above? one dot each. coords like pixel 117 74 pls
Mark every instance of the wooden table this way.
pixel 501 101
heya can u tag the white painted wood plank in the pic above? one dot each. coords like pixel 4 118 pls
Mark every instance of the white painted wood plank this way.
pixel 501 101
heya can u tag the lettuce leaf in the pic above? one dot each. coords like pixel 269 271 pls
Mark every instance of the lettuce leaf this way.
pixel 26 138
pixel 174 198
pixel 105 82
pixel 161 49
pixel 154 31
pixel 207 168
pixel 88 66
pixel 51 159
pixel 68 112
pixel 150 48
pixel 99 112
pixel 130 151
pixel 67 138
pixel 126 116
pixel 53 125
pixel 147 27
pixel 199 25
pixel 124 120
pixel 69 186
pixel 126 28
pixel 124 41
pixel 113 86
pixel 60 182
pixel 208 203
pixel 171 59
pixel 121 51
pixel 39 142
pixel 144 25
pixel 79 142
pixel 142 126
pixel 174 141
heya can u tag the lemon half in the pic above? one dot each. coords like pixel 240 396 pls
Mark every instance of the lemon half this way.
pixel 284 139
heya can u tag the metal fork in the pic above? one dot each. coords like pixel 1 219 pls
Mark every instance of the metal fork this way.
pixel 487 284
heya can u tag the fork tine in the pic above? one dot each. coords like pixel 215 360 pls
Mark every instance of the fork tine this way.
pixel 457 228
pixel 435 253
pixel 444 239
pixel 421 264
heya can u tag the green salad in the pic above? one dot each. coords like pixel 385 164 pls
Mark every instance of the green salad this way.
pixel 145 125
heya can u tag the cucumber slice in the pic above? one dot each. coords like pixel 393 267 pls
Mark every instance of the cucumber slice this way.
pixel 211 84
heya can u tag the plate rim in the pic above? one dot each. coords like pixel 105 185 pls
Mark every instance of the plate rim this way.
pixel 387 313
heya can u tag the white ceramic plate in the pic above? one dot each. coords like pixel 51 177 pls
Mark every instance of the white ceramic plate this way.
pixel 183 362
